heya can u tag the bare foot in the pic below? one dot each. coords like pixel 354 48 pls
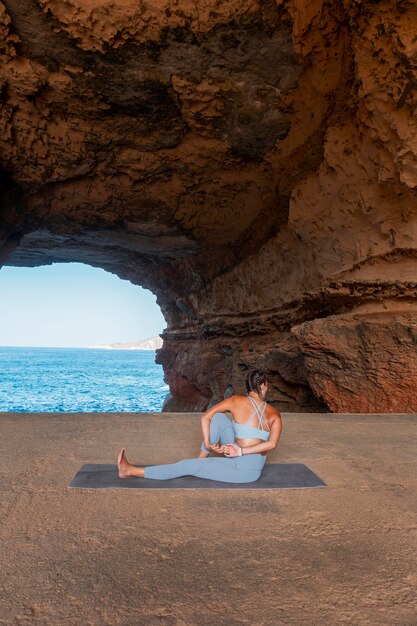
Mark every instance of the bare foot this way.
pixel 202 454
pixel 123 464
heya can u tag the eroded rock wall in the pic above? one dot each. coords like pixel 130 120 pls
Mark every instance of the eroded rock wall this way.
pixel 253 163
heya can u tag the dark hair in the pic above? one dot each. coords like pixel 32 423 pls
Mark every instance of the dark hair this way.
pixel 254 380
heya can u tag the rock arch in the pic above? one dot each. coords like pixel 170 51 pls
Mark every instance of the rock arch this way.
pixel 252 163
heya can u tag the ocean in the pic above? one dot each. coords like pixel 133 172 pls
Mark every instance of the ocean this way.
pixel 70 380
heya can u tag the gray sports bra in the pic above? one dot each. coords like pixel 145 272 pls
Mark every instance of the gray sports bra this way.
pixel 244 431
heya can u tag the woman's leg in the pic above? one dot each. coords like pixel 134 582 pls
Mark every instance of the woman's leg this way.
pixel 234 470
pixel 221 430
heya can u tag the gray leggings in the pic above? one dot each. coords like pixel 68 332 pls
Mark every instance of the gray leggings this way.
pixel 244 469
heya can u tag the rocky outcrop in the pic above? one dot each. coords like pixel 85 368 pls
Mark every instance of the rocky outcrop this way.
pixel 362 362
pixel 252 163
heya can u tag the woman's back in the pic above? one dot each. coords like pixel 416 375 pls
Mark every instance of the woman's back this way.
pixel 251 417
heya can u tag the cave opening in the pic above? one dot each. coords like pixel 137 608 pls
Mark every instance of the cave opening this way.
pixel 76 338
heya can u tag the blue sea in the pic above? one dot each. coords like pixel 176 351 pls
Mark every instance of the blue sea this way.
pixel 80 380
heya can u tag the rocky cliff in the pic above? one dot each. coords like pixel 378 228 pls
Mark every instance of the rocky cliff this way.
pixel 253 163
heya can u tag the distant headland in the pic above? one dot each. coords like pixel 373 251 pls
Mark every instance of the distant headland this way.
pixel 150 343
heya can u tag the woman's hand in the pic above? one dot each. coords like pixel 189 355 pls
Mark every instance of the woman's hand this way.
pixel 215 447
pixel 232 450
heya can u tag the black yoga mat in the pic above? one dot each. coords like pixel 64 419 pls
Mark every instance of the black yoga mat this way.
pixel 274 476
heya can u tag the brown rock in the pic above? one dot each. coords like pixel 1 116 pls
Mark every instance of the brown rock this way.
pixel 362 363
pixel 252 163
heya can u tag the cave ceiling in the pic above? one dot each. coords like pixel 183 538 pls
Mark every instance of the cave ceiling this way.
pixel 252 162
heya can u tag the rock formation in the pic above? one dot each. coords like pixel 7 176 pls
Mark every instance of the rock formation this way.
pixel 253 163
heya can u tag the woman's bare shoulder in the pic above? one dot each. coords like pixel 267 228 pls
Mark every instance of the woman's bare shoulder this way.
pixel 229 403
pixel 272 413
pixel 237 397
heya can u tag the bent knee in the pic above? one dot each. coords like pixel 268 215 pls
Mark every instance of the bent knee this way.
pixel 220 418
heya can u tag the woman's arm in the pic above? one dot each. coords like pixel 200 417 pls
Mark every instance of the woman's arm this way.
pixel 224 405
pixel 258 448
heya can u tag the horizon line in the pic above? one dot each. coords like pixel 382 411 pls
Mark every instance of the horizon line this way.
pixel 82 348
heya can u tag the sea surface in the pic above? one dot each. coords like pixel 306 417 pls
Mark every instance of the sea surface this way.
pixel 80 380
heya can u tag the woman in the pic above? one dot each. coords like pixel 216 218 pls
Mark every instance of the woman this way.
pixel 242 442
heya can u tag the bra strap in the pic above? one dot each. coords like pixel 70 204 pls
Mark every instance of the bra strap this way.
pixel 255 406
pixel 257 410
pixel 260 413
pixel 263 417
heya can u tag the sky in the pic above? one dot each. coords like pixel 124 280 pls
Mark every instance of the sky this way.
pixel 73 305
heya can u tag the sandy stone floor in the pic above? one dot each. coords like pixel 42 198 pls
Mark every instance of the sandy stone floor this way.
pixel 345 554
